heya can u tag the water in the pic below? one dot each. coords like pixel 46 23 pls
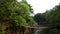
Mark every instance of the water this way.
pixel 39 30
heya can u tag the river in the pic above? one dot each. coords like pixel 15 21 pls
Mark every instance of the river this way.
pixel 39 30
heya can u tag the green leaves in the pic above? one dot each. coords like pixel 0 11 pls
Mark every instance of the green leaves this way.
pixel 40 18
pixel 53 19
pixel 19 20
pixel 16 14
pixel 53 15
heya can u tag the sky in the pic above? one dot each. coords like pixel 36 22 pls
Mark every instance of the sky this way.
pixel 40 6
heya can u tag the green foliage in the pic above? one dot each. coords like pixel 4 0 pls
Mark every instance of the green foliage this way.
pixel 31 21
pixel 15 13
pixel 20 21
pixel 53 19
pixel 40 18
pixel 53 16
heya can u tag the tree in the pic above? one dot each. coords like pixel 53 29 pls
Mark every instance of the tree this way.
pixel 15 13
pixel 53 19
pixel 39 18
pixel 53 15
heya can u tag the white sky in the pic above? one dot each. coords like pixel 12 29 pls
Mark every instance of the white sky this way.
pixel 40 6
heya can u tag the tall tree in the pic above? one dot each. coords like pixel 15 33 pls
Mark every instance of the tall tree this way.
pixel 15 13
pixel 39 18
pixel 53 19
